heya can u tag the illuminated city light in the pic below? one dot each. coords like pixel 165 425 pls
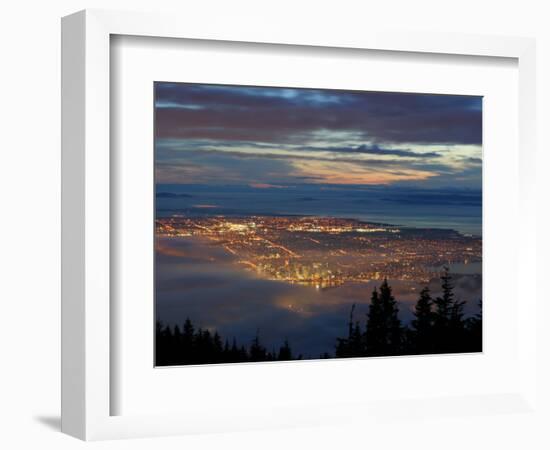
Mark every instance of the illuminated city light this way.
pixel 279 248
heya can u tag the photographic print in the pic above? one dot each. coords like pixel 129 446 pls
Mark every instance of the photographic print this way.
pixel 299 224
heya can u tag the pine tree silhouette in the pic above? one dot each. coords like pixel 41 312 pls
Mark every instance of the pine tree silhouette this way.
pixel 375 334
pixel 423 324
pixel 442 317
pixel 393 324
pixel 187 353
pixel 444 304
pixel 451 333
pixel 161 345
pixel 457 327
pixel 384 333
pixel 354 344
pixel 285 352
pixel 257 350
pixel 474 331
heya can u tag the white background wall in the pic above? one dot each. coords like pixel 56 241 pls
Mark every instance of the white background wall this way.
pixel 29 226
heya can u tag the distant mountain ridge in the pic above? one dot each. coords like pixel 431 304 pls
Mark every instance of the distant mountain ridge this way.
pixel 172 195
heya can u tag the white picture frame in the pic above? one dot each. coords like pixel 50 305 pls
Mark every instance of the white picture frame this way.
pixel 86 217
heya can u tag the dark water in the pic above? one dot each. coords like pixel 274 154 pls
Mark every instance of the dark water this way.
pixel 198 280
pixel 443 208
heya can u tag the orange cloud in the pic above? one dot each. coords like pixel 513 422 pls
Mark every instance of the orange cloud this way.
pixel 349 173
pixel 266 186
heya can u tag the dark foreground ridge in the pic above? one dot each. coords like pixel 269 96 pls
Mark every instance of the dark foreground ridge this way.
pixel 439 327
pixel 176 347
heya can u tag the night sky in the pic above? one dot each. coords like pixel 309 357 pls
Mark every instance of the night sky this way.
pixel 265 137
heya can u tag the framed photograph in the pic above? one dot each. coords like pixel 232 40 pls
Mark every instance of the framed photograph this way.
pixel 264 228
pixel 297 224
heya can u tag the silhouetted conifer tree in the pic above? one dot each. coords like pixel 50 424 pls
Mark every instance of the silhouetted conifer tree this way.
pixel 357 347
pixel 375 334
pixel 451 334
pixel 474 330
pixel 421 340
pixel 354 344
pixel 444 303
pixel 442 315
pixel 217 348
pixel 235 353
pixel 161 345
pixel 285 352
pixel 384 333
pixel 257 350
pixel 187 345
pixel 393 324
pixel 243 355
pixel 457 327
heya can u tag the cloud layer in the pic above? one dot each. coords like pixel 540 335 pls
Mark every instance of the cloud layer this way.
pixel 205 132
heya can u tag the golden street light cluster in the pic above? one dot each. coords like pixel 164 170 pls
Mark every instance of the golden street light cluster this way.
pixel 324 251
